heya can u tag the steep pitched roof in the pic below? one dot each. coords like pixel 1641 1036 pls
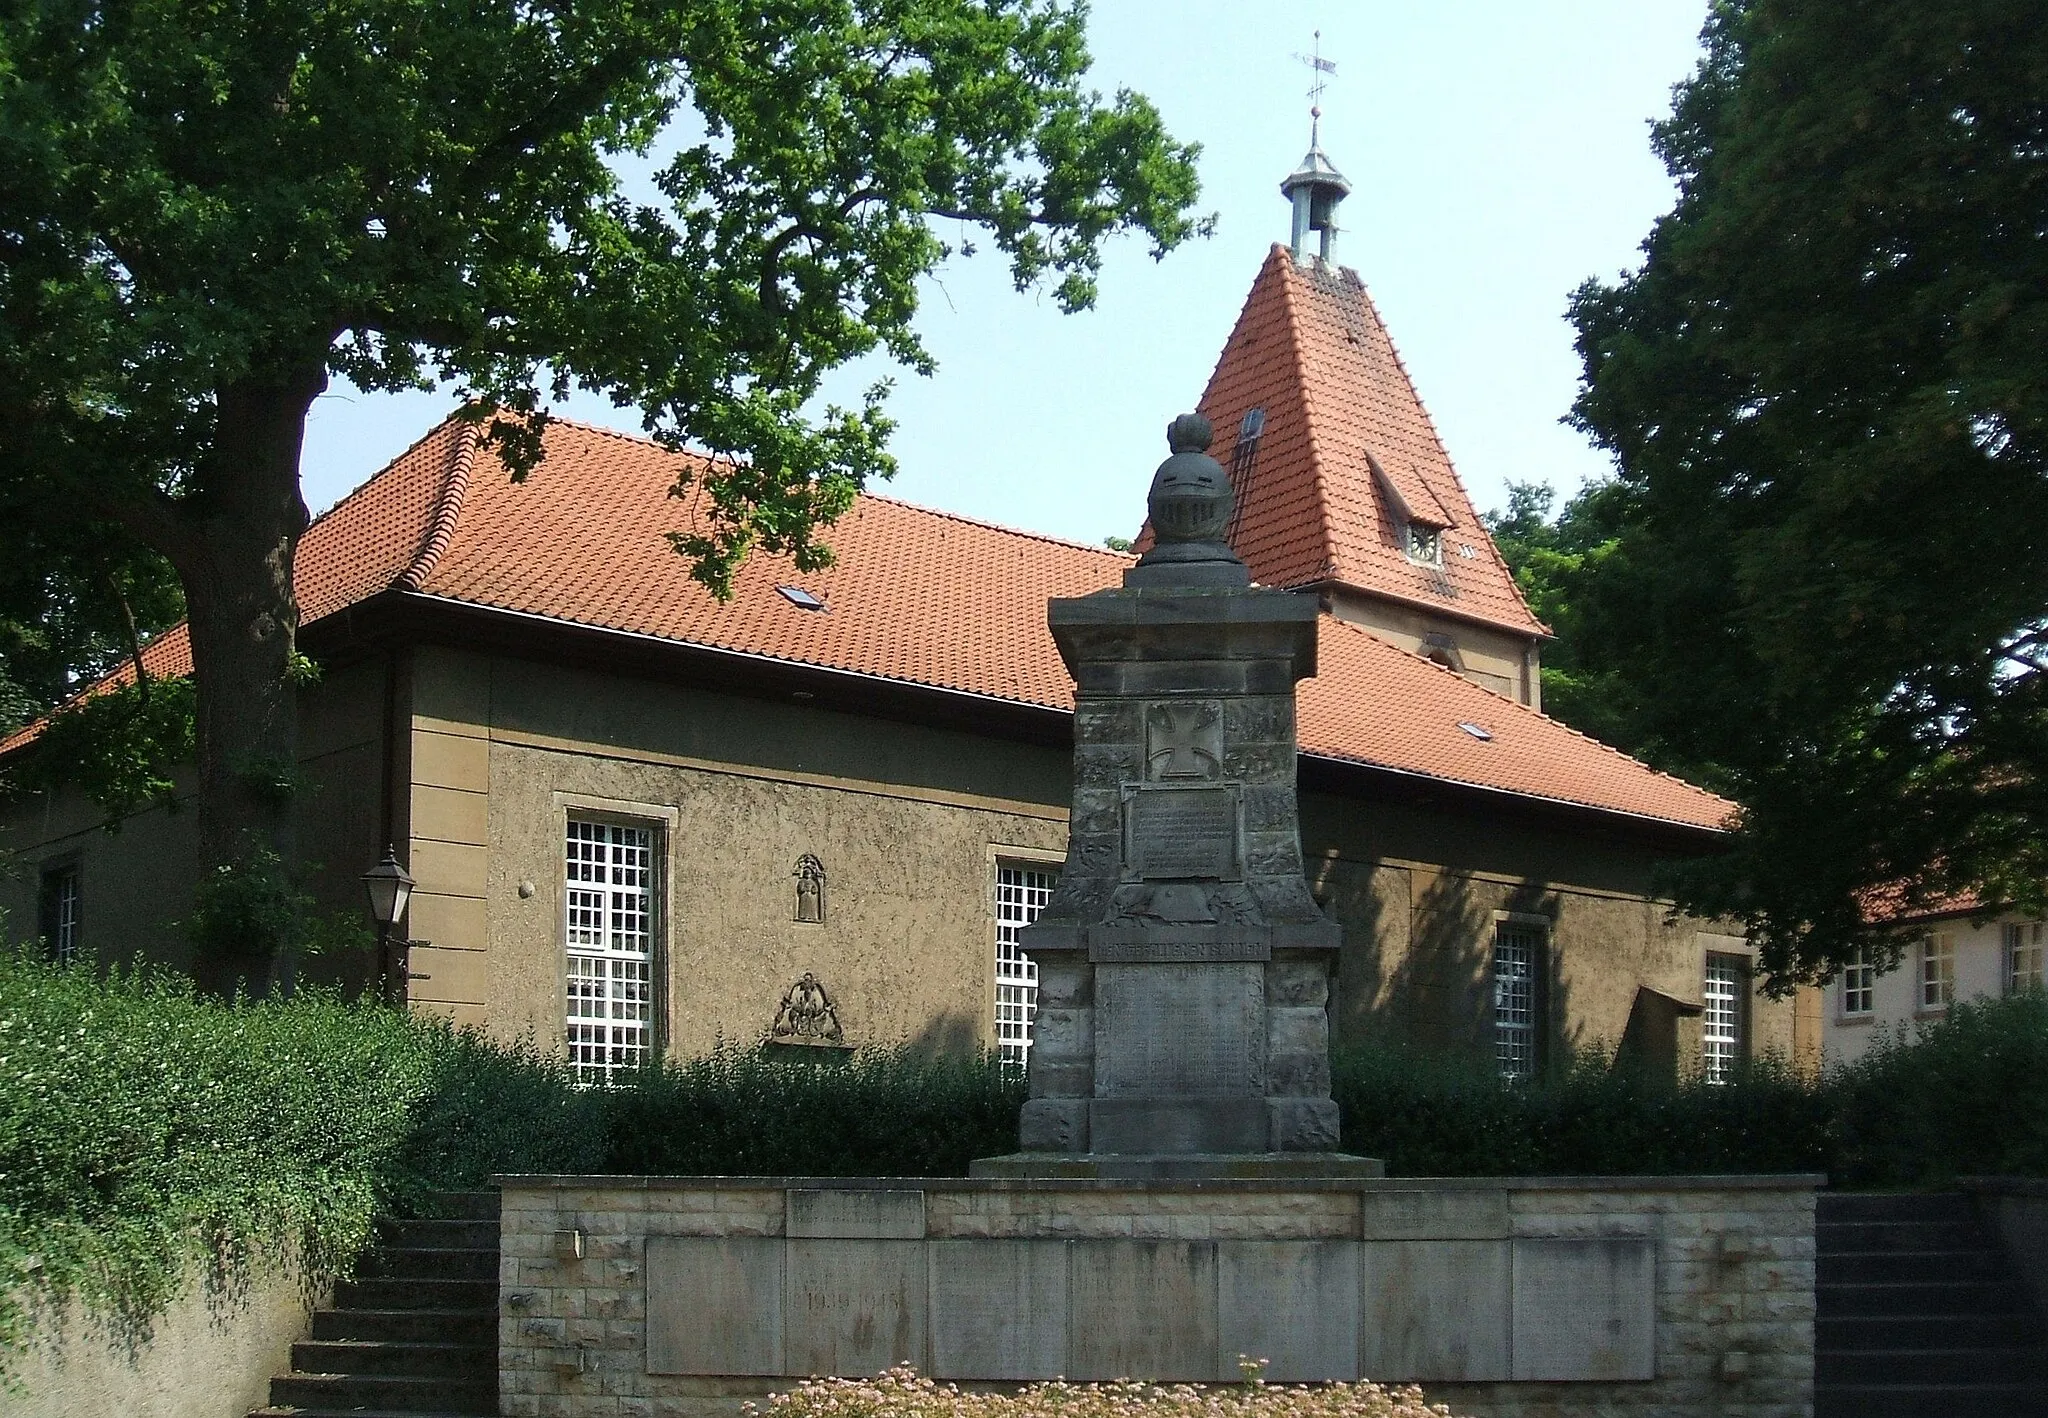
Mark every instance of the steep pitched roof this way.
pixel 918 596
pixel 1346 452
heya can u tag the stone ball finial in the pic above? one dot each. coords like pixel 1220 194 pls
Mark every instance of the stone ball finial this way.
pixel 1190 497
pixel 1190 433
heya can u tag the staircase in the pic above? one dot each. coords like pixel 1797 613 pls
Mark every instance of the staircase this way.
pixel 415 1333
pixel 1919 1316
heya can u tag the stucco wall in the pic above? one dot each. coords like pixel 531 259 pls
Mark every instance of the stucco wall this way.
pixel 136 882
pixel 1980 974
pixel 1493 659
pixel 908 822
pixel 208 1356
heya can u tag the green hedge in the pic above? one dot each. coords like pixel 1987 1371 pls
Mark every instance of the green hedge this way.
pixel 143 1128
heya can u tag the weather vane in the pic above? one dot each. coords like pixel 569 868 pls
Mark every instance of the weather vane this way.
pixel 1319 67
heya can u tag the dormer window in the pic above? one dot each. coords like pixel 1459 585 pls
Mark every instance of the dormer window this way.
pixel 1424 544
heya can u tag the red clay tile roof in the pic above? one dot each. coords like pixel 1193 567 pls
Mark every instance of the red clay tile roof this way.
pixel 1346 450
pixel 918 596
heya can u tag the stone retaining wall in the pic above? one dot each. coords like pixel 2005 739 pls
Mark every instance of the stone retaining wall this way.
pixel 1636 1296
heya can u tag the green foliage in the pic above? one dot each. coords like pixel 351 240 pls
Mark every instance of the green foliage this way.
pixel 74 601
pixel 120 747
pixel 1431 1115
pixel 1951 1099
pixel 254 908
pixel 879 1113
pixel 1552 560
pixel 144 1130
pixel 1827 398
pixel 1959 1098
pixel 202 206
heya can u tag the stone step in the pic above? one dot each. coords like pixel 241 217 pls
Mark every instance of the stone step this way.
pixel 1900 1237
pixel 429 1263
pixel 463 1326
pixel 420 1358
pixel 1932 1366
pixel 1865 1333
pixel 1929 1401
pixel 1893 1206
pixel 1850 1267
pixel 397 1393
pixel 375 1293
pixel 1920 1297
pixel 465 1206
pixel 451 1233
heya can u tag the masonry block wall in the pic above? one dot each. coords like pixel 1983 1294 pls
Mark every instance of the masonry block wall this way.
pixel 687 1296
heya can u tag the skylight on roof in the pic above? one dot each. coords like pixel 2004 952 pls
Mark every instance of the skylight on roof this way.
pixel 1483 735
pixel 799 597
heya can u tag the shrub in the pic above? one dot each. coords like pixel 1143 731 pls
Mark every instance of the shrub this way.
pixel 902 1393
pixel 881 1112
pixel 1960 1096
pixel 1432 1115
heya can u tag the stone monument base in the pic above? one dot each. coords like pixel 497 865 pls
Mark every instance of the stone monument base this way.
pixel 1178 1166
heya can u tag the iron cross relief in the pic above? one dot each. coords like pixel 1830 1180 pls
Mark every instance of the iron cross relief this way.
pixel 1184 740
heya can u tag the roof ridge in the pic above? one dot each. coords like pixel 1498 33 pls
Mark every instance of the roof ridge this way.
pixel 1519 706
pixel 447 507
pixel 364 486
pixel 1298 346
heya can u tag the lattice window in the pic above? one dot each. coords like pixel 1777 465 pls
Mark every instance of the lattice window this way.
pixel 60 913
pixel 1021 893
pixel 1859 984
pixel 1721 1025
pixel 608 889
pixel 2024 941
pixel 1938 970
pixel 1517 961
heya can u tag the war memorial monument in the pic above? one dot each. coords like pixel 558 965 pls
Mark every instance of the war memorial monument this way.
pixel 1179 1198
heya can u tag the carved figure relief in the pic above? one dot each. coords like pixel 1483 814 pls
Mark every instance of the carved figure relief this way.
pixel 1184 741
pixel 807 1015
pixel 810 890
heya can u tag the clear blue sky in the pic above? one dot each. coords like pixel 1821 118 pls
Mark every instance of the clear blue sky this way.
pixel 1498 152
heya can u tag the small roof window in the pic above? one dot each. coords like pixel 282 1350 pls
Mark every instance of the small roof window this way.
pixel 1482 734
pixel 799 597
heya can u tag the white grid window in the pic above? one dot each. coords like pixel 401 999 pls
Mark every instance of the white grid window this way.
pixel 1021 893
pixel 1859 984
pixel 608 889
pixel 2024 942
pixel 1721 1025
pixel 60 914
pixel 1517 955
pixel 1938 970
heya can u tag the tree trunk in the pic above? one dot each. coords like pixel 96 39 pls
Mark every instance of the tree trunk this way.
pixel 241 526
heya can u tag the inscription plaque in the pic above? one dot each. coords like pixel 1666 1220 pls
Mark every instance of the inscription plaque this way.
pixel 1179 1030
pixel 853 1307
pixel 1182 833
pixel 1145 949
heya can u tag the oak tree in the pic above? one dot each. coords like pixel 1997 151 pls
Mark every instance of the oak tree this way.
pixel 1826 391
pixel 208 211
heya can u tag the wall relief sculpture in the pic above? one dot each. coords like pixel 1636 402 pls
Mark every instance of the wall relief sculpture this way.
pixel 807 1016
pixel 810 890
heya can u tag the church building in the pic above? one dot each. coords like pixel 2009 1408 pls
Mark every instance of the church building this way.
pixel 817 815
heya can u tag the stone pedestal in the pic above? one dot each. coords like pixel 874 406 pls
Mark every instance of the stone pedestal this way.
pixel 1183 966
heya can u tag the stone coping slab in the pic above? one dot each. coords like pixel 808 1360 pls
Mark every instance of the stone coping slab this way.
pixel 2005 1186
pixel 1746 1181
